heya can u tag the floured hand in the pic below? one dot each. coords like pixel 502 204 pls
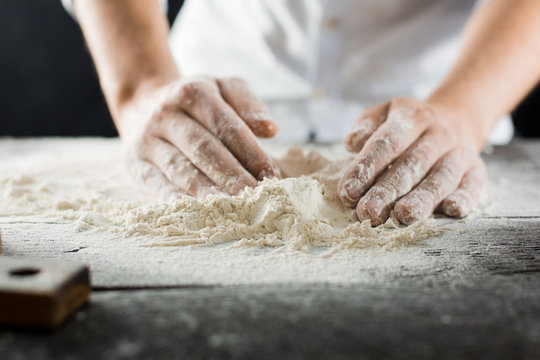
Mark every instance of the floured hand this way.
pixel 196 136
pixel 413 157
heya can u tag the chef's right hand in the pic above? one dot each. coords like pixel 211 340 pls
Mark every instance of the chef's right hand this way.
pixel 196 136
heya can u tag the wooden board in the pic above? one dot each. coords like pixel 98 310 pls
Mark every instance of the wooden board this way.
pixel 432 317
pixel 480 246
pixel 473 293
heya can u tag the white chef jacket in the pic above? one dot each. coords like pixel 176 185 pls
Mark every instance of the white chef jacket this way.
pixel 318 63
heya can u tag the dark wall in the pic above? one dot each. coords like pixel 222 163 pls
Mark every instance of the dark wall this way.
pixel 49 86
pixel 48 83
pixel 527 115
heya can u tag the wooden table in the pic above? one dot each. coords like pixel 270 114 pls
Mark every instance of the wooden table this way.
pixel 474 293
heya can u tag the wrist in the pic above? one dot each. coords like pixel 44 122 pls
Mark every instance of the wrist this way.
pixel 472 120
pixel 122 94
pixel 132 105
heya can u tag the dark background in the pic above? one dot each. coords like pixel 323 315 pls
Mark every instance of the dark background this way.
pixel 49 86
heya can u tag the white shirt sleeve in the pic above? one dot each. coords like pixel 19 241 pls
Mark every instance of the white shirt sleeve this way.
pixel 68 5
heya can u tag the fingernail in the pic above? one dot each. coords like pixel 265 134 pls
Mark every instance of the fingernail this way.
pixel 377 209
pixel 409 211
pixel 352 189
pixel 273 173
pixel 362 213
pixel 276 168
pixel 456 208
pixel 265 175
pixel 210 191
pixel 235 185
pixel 366 211
pixel 263 126
pixel 378 214
pixel 168 196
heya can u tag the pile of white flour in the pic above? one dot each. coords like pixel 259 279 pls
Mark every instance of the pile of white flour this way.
pixel 90 189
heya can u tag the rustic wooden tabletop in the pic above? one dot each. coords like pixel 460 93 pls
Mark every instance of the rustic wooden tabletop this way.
pixel 472 293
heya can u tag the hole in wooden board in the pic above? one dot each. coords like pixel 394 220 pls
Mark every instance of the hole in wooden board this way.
pixel 24 272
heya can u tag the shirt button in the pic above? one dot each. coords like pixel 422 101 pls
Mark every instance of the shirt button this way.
pixel 318 93
pixel 331 23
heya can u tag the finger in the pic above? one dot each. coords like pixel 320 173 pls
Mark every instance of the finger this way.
pixel 406 172
pixel 178 169
pixel 203 102
pixel 364 127
pixel 152 181
pixel 238 95
pixel 441 181
pixel 206 152
pixel 393 137
pixel 462 201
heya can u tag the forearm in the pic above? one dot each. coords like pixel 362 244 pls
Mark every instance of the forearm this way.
pixel 497 66
pixel 128 42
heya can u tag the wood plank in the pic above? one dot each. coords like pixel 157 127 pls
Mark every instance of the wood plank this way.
pixel 476 247
pixel 494 317
pixel 518 151
pixel 473 293
pixel 513 189
pixel 514 175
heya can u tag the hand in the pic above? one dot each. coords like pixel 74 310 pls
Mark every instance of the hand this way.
pixel 413 156
pixel 196 136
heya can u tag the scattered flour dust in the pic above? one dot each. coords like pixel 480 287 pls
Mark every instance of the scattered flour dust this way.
pixel 81 181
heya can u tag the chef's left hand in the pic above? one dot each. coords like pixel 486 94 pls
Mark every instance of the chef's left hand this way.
pixel 413 157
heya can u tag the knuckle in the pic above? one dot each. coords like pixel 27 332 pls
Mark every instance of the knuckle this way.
pixel 191 91
pixel 369 110
pixel 427 149
pixel 366 113
pixel 449 174
pixel 400 101
pixel 443 134
pixel 170 160
pixel 413 164
pixel 448 168
pixel 354 141
pixel 446 134
pixel 387 144
pixel 423 114
pixel 412 109
pixel 151 128
pixel 162 111
pixel 141 148
pixel 226 127
pixel 234 81
pixel 363 126
pixel 202 144
pixel 183 173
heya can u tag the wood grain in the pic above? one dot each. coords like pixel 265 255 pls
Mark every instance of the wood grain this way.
pixel 473 293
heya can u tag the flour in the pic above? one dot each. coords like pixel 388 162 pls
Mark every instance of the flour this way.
pixel 299 212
